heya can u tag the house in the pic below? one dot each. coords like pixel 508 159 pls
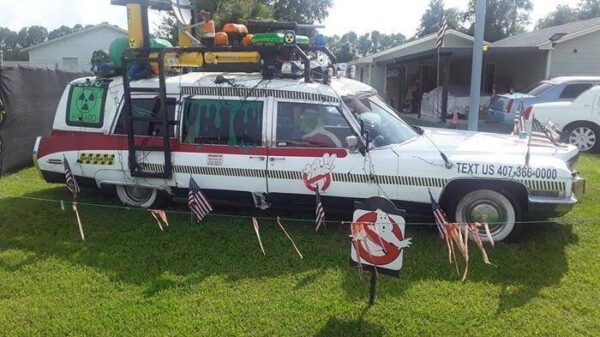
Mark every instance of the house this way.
pixel 73 52
pixel 512 63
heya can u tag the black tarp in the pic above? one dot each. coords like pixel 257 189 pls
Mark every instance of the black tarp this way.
pixel 30 97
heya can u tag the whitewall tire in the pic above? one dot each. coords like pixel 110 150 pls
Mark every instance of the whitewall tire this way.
pixel 488 206
pixel 137 196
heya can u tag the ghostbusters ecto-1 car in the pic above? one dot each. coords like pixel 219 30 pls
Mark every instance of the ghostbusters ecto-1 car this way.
pixel 252 118
pixel 246 139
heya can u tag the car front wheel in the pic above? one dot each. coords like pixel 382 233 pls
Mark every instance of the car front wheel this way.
pixel 137 196
pixel 584 135
pixel 491 207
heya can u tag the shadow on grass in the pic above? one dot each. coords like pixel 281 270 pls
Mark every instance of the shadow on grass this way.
pixel 359 327
pixel 128 246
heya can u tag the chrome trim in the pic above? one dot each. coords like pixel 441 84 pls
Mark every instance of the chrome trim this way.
pixel 578 187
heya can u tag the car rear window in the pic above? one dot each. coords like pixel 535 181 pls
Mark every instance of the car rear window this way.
pixel 541 89
pixel 572 91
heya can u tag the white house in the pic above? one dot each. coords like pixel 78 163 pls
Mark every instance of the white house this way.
pixel 73 52
pixel 512 63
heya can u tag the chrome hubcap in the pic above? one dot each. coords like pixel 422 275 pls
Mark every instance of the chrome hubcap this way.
pixel 486 211
pixel 138 194
pixel 583 137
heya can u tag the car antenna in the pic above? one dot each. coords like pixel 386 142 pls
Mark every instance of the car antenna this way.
pixel 448 164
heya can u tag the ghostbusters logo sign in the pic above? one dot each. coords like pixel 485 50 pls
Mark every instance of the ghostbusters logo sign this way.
pixel 378 237
pixel 318 173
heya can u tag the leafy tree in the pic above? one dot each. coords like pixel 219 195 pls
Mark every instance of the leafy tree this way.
pixel 32 35
pixel 588 9
pixel 431 19
pixel 302 11
pixel 503 18
pixel 9 44
pixel 561 15
pixel 168 28
pixel 351 46
pixel 60 32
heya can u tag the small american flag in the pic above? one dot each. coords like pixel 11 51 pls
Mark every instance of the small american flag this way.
pixel 319 212
pixel 197 202
pixel 70 179
pixel 540 132
pixel 442 32
pixel 439 215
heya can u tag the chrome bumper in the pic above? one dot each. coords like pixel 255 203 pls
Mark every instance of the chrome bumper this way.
pixel 543 207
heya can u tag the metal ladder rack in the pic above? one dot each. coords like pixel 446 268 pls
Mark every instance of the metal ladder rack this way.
pixel 161 118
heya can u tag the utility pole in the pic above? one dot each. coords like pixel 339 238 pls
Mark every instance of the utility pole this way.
pixel 477 64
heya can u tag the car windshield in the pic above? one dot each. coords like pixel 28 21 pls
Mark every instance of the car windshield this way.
pixel 540 89
pixel 379 120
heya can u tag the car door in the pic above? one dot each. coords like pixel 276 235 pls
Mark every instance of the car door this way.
pixel 309 152
pixel 223 146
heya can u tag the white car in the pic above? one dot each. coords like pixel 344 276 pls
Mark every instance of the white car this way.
pixel 276 141
pixel 579 120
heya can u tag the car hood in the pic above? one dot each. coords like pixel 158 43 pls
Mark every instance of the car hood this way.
pixel 459 145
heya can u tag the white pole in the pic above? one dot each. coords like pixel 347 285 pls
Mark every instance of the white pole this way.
pixel 477 64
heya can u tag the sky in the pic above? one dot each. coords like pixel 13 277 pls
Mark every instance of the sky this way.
pixel 387 16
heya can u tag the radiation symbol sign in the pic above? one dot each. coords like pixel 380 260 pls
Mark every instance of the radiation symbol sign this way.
pixel 289 37
pixel 378 236
pixel 86 105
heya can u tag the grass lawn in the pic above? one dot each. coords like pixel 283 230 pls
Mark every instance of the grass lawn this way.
pixel 130 279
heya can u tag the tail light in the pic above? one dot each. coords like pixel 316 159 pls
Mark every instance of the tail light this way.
pixel 527 112
pixel 509 106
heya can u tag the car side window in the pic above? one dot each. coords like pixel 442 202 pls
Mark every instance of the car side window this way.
pixel 85 106
pixel 145 108
pixel 223 122
pixel 311 125
pixel 572 91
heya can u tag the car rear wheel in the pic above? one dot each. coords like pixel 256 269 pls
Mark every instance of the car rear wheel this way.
pixel 491 207
pixel 137 196
pixel 584 135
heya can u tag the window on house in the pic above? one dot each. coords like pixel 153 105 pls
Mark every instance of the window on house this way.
pixel 311 125
pixel 71 63
pixel 85 106
pixel 145 108
pixel 223 122
pixel 572 91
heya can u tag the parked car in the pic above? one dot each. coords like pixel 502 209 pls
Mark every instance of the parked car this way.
pixel 579 120
pixel 560 89
pixel 278 143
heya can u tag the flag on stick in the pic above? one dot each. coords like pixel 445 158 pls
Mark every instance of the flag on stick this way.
pixel 160 216
pixel 197 201
pixel 442 32
pixel 70 179
pixel 319 212
pixel 439 215
pixel 256 230
pixel 289 237
pixel 74 188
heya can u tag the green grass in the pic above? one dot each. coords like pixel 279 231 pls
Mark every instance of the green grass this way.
pixel 130 279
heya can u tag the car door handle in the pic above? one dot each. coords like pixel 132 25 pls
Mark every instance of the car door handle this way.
pixel 276 158
pixel 261 158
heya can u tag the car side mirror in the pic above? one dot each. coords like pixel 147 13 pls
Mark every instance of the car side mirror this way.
pixel 352 142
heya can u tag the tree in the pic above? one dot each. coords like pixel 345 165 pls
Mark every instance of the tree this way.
pixel 32 35
pixel 351 46
pixel 588 9
pixel 503 18
pixel 168 28
pixel 431 19
pixel 301 11
pixel 561 15
pixel 9 44
pixel 60 32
